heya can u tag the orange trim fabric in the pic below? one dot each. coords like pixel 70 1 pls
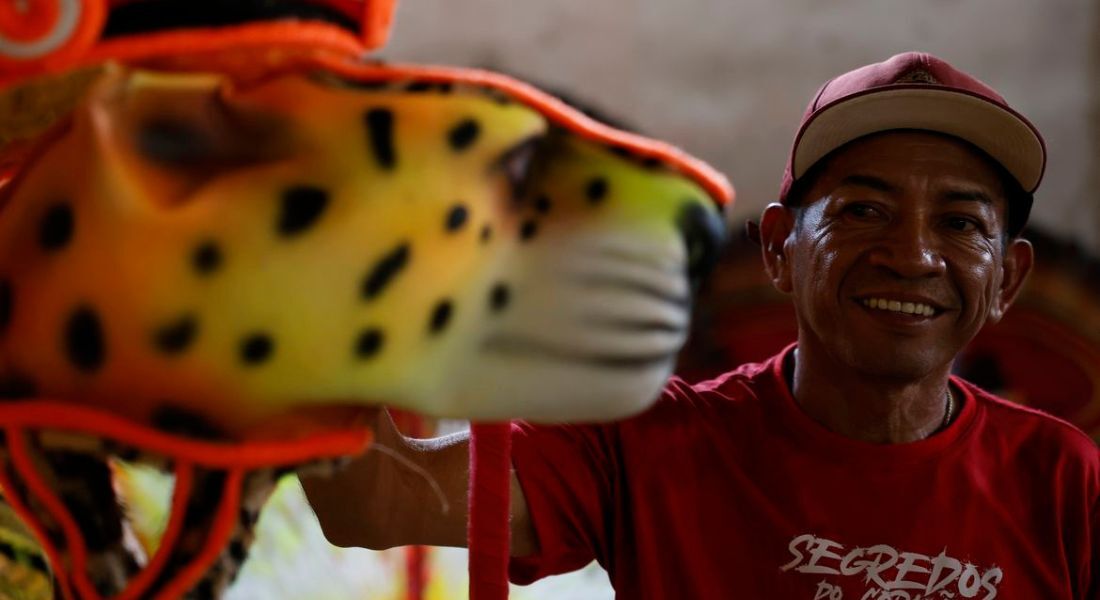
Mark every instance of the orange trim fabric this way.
pixel 28 47
pixel 30 23
pixel 377 22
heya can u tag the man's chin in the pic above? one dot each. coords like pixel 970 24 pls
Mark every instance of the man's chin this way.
pixel 896 363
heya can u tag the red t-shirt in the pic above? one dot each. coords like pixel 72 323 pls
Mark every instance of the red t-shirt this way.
pixel 726 489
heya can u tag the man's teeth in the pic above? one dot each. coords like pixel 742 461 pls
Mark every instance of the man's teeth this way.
pixel 909 308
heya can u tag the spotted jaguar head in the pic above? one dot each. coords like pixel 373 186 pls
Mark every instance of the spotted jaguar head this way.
pixel 189 244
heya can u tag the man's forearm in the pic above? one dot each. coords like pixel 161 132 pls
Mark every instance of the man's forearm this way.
pixel 406 491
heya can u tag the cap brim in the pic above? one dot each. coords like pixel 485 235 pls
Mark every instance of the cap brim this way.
pixel 1002 133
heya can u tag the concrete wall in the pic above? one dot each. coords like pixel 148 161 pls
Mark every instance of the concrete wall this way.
pixel 1093 177
pixel 728 79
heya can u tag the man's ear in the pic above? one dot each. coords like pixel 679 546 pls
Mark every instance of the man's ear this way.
pixel 776 224
pixel 1018 260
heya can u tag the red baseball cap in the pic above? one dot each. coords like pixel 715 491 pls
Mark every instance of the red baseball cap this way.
pixel 915 91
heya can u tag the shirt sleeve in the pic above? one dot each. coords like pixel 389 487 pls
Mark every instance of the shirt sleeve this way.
pixel 566 473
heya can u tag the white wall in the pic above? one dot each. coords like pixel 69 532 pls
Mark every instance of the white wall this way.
pixel 728 79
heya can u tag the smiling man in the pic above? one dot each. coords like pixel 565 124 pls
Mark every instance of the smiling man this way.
pixel 853 464
pixel 896 253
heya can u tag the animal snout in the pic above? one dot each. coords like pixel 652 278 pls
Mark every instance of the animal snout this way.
pixel 704 233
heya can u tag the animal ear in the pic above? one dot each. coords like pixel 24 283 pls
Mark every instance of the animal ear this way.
pixel 776 224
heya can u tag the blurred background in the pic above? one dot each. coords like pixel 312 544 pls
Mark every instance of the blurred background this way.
pixel 727 80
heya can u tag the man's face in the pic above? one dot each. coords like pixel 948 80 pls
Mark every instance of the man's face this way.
pixel 898 259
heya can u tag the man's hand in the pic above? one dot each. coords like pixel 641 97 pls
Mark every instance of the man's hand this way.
pixel 405 491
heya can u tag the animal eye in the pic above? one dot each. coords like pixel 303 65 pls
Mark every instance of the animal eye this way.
pixel 516 162
pixel 174 141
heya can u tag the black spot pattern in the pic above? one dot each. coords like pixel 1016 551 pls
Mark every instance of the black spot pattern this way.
pixel 7 304
pixel 380 131
pixel 17 385
pixel 206 258
pixel 542 204
pixel 256 349
pixel 384 271
pixel 528 230
pixel 374 86
pixel 486 233
pixel 419 86
pixel 174 419
pixel 499 297
pixel 301 207
pixel 84 344
pixel 441 316
pixel 596 190
pixel 56 229
pixel 463 135
pixel 176 336
pixel 456 218
pixel 369 343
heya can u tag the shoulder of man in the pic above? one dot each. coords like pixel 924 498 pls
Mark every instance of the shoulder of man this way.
pixel 739 384
pixel 1038 429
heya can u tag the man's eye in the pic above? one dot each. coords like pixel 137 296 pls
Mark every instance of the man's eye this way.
pixel 962 224
pixel 861 210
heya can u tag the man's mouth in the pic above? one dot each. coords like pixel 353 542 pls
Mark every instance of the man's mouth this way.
pixel 919 309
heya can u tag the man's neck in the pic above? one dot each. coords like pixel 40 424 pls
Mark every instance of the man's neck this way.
pixel 866 408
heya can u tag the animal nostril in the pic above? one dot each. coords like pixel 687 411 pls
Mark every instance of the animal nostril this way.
pixel 704 234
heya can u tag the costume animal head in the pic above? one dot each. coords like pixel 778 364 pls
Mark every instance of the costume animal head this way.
pixel 218 219
pixel 183 244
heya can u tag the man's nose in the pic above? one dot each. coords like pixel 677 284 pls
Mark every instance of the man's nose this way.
pixel 910 249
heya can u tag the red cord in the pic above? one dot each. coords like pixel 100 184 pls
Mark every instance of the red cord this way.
pixel 31 521
pixel 416 570
pixel 181 491
pixel 488 530
pixel 78 550
pixel 229 507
